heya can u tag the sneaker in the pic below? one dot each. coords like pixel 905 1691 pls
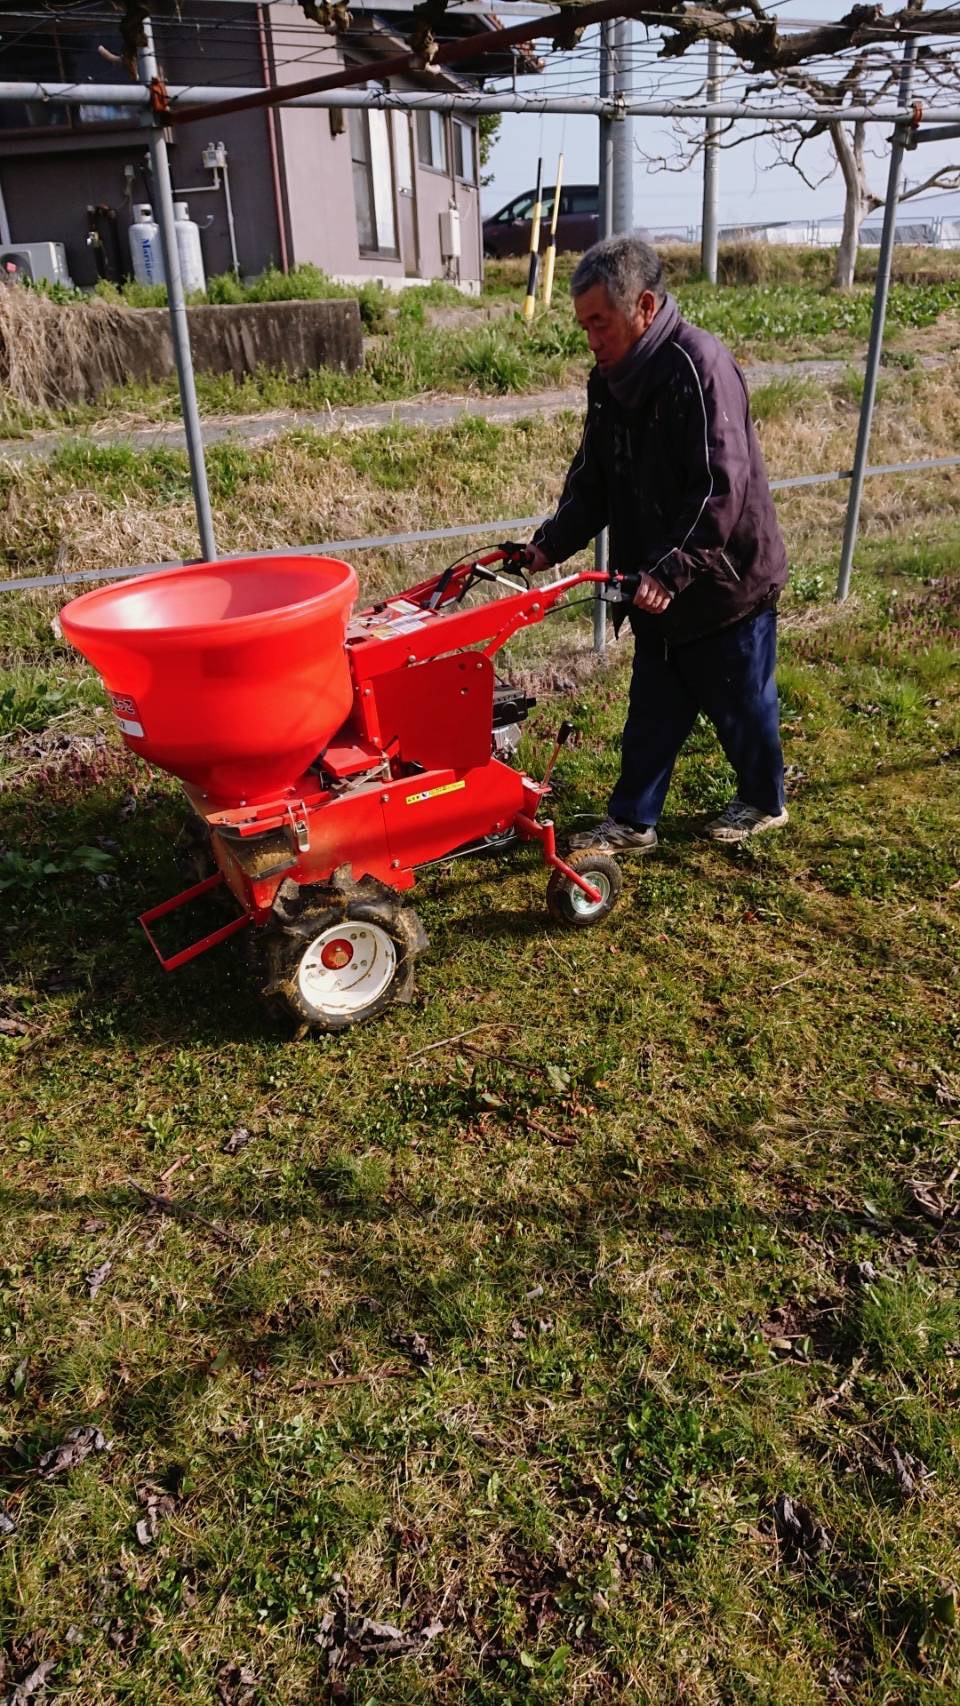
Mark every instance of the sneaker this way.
pixel 609 836
pixel 737 821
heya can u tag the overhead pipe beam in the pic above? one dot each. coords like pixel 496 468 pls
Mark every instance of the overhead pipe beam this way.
pixel 124 94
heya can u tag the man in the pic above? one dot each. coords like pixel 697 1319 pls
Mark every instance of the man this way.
pixel 670 461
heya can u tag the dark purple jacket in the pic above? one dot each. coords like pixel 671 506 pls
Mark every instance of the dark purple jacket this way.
pixel 669 460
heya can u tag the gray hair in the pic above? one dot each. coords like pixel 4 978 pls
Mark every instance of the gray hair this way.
pixel 626 266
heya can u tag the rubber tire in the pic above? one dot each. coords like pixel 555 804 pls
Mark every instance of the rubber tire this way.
pixel 280 946
pixel 561 891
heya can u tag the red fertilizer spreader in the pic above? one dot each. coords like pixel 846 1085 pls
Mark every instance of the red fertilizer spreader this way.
pixel 329 756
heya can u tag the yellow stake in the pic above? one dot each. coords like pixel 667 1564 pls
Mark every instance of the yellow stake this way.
pixel 550 258
pixel 530 300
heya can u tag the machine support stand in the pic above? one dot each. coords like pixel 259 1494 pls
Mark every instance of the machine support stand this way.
pixel 530 830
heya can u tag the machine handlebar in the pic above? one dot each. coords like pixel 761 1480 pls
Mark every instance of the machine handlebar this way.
pixel 513 556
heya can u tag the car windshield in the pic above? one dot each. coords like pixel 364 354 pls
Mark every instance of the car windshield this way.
pixel 522 207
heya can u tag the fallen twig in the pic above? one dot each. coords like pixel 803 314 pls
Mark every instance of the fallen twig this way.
pixel 388 1371
pixel 788 981
pixel 182 1211
pixel 458 1036
pixel 553 1136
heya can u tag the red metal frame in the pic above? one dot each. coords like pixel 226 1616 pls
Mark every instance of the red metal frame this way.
pixel 410 776
pixel 196 948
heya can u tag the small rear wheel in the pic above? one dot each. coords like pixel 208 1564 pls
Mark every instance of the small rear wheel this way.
pixel 569 905
pixel 335 958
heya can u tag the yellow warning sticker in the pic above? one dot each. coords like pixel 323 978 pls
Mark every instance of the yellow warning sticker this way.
pixel 431 793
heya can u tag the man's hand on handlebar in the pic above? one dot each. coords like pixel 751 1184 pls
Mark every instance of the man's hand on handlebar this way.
pixel 536 561
pixel 650 596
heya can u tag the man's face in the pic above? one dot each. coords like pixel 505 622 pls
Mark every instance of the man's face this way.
pixel 611 332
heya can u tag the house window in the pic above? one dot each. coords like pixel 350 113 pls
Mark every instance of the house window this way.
pixel 63 54
pixel 372 182
pixel 402 153
pixel 432 140
pixel 463 152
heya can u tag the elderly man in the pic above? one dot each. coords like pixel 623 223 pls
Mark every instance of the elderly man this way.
pixel 670 462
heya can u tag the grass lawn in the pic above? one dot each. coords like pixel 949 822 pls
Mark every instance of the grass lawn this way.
pixel 586 1332
pixel 433 340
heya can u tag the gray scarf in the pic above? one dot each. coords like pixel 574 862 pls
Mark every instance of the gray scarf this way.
pixel 630 379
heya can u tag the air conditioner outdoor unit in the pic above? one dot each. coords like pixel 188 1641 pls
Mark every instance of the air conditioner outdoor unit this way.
pixel 35 261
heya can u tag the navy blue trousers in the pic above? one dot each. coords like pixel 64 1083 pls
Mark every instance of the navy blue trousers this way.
pixel 729 676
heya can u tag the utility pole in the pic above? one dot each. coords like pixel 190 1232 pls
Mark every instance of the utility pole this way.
pixel 623 219
pixel 605 209
pixel 711 170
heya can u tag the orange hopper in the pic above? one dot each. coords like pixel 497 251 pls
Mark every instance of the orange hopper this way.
pixel 231 675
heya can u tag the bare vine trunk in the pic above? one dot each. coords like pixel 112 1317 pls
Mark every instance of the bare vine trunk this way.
pixel 858 199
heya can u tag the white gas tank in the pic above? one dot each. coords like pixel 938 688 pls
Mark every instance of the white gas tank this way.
pixel 188 247
pixel 145 251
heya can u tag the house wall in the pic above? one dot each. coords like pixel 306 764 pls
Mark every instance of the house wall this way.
pixel 48 180
pixel 318 174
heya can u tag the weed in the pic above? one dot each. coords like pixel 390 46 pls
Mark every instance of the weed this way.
pixel 521 1311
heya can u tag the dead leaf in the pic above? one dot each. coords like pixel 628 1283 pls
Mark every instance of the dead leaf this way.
pixel 236 1685
pixel 13 1028
pixel 417 1349
pixel 96 1277
pixel 156 1505
pixel 79 1444
pixel 799 1533
pixel 238 1139
pixel 32 1684
pixel 517 1331
pixel 7 1523
pixel 922 1197
pixel 910 1473
pixel 350 1640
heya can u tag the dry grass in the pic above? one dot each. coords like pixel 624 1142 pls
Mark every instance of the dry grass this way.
pixel 44 348
pixel 102 507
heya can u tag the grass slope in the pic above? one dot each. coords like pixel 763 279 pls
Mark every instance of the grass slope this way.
pixel 423 343
pixel 515 1318
pixel 96 505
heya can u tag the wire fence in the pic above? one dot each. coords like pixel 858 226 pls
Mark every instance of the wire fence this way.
pixel 389 541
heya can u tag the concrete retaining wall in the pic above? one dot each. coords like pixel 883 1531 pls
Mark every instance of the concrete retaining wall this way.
pixel 237 339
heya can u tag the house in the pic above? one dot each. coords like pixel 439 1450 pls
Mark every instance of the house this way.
pixel 360 193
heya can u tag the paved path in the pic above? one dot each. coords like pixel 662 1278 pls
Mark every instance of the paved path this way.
pixel 417 412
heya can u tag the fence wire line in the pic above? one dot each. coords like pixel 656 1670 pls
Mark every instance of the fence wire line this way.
pixel 36 583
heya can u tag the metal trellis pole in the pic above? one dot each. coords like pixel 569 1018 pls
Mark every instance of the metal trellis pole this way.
pixel 622 131
pixel 605 181
pixel 881 292
pixel 711 171
pixel 179 326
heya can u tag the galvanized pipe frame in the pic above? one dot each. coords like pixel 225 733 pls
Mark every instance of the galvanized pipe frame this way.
pixel 602 106
pixel 410 100
pixel 386 541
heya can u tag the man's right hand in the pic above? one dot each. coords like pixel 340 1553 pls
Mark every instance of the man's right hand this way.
pixel 536 561
pixel 651 596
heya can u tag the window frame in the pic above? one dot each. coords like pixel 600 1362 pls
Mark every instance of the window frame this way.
pixel 443 127
pixel 359 117
pixel 457 127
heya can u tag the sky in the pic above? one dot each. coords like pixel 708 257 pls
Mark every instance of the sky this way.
pixel 753 185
